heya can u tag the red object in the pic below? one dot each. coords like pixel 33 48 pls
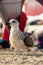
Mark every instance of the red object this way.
pixel 5 35
pixel 22 21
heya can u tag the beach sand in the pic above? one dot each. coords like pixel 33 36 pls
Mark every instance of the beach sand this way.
pixel 20 57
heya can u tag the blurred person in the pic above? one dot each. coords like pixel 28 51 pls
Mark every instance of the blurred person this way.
pixel 40 40
pixel 4 41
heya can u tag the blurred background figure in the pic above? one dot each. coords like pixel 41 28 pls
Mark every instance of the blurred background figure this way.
pixel 4 35
pixel 40 40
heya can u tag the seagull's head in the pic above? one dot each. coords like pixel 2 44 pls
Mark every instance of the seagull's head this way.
pixel 14 23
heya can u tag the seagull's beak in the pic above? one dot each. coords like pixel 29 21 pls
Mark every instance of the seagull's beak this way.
pixel 10 25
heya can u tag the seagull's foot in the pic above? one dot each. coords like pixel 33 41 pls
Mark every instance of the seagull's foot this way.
pixel 11 47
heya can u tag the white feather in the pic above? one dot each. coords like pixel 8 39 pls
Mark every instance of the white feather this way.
pixel 16 36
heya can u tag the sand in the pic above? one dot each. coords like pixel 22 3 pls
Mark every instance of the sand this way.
pixel 20 57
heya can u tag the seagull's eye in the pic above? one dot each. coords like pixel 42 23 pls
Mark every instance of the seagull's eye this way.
pixel 14 22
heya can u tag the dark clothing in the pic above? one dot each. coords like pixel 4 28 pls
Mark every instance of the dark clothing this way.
pixel 40 45
pixel 4 44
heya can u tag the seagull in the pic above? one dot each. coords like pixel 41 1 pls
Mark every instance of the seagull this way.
pixel 16 37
